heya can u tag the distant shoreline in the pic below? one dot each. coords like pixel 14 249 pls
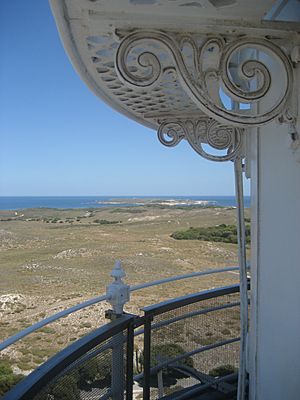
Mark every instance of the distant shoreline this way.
pixel 89 202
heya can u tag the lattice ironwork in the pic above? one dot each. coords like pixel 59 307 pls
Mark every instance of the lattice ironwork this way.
pixel 246 69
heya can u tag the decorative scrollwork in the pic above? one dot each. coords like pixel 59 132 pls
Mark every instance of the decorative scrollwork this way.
pixel 171 133
pixel 200 132
pixel 208 69
pixel 219 137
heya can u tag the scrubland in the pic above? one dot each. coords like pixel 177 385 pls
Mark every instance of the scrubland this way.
pixel 52 259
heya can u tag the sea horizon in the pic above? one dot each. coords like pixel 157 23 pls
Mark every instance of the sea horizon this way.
pixel 91 201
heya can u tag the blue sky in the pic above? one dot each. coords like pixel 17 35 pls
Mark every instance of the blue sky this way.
pixel 57 138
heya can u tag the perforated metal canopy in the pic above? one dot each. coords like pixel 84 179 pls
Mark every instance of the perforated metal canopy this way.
pixel 92 31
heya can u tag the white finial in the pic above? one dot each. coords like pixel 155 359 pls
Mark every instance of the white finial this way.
pixel 118 292
pixel 118 271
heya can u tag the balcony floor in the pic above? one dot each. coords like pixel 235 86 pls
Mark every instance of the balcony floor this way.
pixel 227 391
pixel 209 395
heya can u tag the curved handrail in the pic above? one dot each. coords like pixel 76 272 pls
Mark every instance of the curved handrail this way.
pixel 161 324
pixel 40 324
pixel 88 346
pixel 172 304
pixel 166 306
pixel 174 360
pixel 41 376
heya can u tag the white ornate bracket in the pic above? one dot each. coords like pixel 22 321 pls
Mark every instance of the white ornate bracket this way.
pixel 200 132
pixel 246 70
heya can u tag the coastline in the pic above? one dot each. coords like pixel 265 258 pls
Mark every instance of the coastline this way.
pixel 90 202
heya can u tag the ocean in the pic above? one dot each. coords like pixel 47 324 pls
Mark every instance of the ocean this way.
pixel 65 202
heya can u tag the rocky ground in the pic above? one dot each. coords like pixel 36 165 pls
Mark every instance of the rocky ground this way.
pixel 53 259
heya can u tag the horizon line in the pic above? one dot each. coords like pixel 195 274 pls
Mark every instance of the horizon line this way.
pixel 127 195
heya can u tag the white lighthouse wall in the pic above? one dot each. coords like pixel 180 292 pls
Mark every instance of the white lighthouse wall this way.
pixel 274 341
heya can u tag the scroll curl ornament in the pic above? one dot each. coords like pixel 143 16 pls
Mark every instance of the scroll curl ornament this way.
pixel 233 65
pixel 200 132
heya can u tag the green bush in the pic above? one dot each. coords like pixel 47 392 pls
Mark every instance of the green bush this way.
pixel 223 370
pixel 96 373
pixel 47 330
pixel 131 210
pixel 85 325
pixel 219 233
pixel 106 222
pixel 66 392
pixel 65 388
pixel 7 378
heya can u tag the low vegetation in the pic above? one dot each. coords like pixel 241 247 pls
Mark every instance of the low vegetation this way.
pixel 128 210
pixel 161 353
pixel 48 266
pixel 106 222
pixel 219 233
pixel 7 378
pixel 223 370
pixel 96 373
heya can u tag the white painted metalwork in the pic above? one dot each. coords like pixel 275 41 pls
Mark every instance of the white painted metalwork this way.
pixel 154 59
pixel 117 292
pixel 221 138
pixel 204 65
pixel 177 66
pixel 201 131
pixel 243 277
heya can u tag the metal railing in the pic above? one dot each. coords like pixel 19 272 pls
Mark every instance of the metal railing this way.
pixel 85 365
pixel 169 344
pixel 96 300
pixel 178 332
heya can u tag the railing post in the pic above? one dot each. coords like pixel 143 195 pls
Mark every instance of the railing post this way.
pixel 129 361
pixel 241 235
pixel 117 295
pixel 147 358
pixel 117 292
pixel 160 383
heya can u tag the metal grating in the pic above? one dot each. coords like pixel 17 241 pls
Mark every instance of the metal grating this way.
pixel 89 377
pixel 184 344
pixel 97 366
pixel 204 335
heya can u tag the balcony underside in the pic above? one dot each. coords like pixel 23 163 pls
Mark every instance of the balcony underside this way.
pixel 160 60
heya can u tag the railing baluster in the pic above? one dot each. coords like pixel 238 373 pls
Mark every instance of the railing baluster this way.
pixel 129 361
pixel 160 383
pixel 117 364
pixel 147 356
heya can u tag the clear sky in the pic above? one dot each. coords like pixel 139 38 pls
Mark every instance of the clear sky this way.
pixel 57 138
